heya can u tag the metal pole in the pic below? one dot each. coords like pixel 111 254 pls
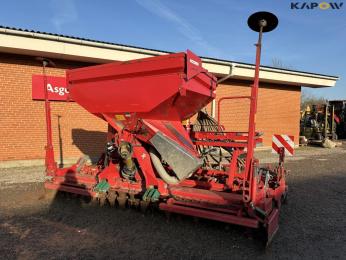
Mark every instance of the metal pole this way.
pixel 326 121
pixel 333 123
pixel 247 195
pixel 49 160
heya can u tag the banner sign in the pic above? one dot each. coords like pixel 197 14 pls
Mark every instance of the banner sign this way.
pixel 56 88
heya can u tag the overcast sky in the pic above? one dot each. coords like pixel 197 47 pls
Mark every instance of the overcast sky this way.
pixel 307 40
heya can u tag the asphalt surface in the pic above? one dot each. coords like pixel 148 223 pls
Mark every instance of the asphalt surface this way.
pixel 312 224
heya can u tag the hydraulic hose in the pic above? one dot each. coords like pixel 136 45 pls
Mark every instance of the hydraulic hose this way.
pixel 156 160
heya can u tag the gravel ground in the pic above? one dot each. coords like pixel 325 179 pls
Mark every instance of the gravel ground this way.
pixel 312 224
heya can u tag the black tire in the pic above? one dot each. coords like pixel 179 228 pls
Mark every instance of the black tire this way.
pixel 318 136
pixel 334 136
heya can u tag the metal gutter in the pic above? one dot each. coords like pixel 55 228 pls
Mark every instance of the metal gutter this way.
pixel 269 69
pixel 80 41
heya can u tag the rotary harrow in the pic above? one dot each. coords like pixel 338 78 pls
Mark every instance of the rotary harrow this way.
pixel 151 158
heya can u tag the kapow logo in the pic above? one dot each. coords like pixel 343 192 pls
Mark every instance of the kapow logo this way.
pixel 314 5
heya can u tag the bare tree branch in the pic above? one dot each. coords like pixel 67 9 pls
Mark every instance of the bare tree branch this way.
pixel 309 99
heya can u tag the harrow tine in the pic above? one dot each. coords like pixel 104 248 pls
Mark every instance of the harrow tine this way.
pixel 102 200
pixel 122 199
pixel 144 206
pixel 133 202
pixel 93 201
pixel 112 197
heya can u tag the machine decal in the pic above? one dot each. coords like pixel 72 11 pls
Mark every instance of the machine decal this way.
pixel 120 117
pixel 194 62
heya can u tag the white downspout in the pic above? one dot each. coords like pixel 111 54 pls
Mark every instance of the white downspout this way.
pixel 230 74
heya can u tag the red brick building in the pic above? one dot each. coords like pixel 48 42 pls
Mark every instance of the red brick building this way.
pixel 75 131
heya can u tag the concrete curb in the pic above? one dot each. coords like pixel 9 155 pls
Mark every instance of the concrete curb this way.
pixel 68 161
pixel 31 163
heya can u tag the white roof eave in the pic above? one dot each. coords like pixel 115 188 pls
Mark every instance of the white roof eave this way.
pixel 55 46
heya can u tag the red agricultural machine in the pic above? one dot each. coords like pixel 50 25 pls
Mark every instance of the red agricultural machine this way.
pixel 150 158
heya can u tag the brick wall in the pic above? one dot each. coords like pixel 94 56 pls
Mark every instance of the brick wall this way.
pixel 22 120
pixel 277 109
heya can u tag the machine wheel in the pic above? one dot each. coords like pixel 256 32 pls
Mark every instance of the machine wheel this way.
pixel 318 136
